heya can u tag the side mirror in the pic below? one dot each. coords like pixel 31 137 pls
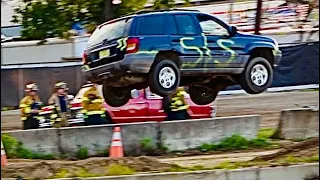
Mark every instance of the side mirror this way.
pixel 233 31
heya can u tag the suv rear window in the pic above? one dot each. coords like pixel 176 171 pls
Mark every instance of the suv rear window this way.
pixel 151 25
pixel 110 31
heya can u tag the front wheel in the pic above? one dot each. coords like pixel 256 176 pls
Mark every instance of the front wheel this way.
pixel 202 95
pixel 164 78
pixel 116 97
pixel 257 76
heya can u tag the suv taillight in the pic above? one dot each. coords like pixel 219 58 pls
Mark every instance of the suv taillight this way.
pixel 133 45
pixel 84 57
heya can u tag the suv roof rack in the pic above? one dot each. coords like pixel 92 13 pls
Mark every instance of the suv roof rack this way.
pixel 164 10
pixel 160 10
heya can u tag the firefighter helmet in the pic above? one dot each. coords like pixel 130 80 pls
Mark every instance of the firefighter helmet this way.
pixel 61 85
pixel 31 87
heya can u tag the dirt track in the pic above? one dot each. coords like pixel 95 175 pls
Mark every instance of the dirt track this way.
pixel 268 105
pixel 42 169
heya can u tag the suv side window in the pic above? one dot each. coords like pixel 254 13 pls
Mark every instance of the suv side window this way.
pixel 172 25
pixel 185 24
pixel 151 25
pixel 211 27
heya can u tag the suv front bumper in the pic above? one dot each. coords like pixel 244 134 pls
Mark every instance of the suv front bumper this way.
pixel 277 54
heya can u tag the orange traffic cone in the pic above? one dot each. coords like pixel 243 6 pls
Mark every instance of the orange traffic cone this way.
pixel 116 149
pixel 3 156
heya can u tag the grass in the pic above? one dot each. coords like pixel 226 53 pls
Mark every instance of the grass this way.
pixel 111 170
pixel 117 169
pixel 85 173
pixel 266 133
pixel 15 149
pixel 236 142
pixel 146 144
pixel 63 173
pixel 289 160
pixel 150 148
pixel 82 153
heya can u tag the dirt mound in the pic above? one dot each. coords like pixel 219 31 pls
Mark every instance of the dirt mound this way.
pixel 44 169
pixel 305 148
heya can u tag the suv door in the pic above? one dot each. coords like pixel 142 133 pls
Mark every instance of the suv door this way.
pixel 186 38
pixel 152 35
pixel 220 48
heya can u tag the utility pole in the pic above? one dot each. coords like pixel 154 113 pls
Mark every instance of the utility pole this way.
pixel 258 17
pixel 230 10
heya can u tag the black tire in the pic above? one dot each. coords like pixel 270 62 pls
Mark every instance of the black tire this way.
pixel 116 97
pixel 154 80
pixel 202 95
pixel 246 81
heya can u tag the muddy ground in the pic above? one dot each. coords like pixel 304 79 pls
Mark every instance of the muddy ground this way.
pixel 268 105
pixel 41 169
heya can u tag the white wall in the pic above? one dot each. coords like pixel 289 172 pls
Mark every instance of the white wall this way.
pixel 54 50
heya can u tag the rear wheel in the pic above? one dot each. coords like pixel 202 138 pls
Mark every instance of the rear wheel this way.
pixel 115 96
pixel 202 95
pixel 164 78
pixel 257 76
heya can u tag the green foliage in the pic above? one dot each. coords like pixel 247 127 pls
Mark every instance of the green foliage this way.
pixel 294 160
pixel 84 173
pixel 266 133
pixel 82 153
pixel 10 145
pixel 63 173
pixel 236 142
pixel 165 4
pixel 130 6
pixel 146 144
pixel 43 19
pixel 149 148
pixel 15 149
pixel 117 169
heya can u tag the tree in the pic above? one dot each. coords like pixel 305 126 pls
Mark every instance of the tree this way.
pixel 165 4
pixel 43 19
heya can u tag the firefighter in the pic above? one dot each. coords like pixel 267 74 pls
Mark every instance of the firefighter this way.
pixel 61 105
pixel 178 106
pixel 93 110
pixel 30 106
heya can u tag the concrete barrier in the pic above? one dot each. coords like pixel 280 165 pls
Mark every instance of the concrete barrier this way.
pixel 40 140
pixel 98 138
pixel 95 138
pixel 181 135
pixel 299 123
pixel 297 172
pixel 176 135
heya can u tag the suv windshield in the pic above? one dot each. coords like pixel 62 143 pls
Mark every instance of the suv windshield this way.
pixel 109 31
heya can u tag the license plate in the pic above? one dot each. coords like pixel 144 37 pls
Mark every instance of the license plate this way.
pixel 104 53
